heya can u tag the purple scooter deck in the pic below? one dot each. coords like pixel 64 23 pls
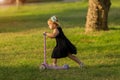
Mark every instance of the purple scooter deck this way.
pixel 45 66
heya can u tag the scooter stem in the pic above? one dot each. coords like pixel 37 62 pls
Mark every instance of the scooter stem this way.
pixel 44 48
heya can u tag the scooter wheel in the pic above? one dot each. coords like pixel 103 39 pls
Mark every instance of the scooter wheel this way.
pixel 42 67
pixel 65 66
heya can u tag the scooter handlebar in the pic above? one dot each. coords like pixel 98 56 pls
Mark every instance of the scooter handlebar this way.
pixel 44 33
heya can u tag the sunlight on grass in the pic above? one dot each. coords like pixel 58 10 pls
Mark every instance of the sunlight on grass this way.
pixel 21 43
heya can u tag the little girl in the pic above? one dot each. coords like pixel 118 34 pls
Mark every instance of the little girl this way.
pixel 63 48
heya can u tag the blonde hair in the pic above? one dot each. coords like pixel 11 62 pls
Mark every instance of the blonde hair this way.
pixel 56 23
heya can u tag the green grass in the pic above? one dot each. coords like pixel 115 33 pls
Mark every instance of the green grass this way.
pixel 21 43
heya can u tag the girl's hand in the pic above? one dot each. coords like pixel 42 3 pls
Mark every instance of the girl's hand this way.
pixel 44 33
pixel 52 35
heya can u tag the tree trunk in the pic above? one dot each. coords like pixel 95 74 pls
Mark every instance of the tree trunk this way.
pixel 18 3
pixel 97 15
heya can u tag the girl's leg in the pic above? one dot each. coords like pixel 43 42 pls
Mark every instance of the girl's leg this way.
pixel 54 62
pixel 74 58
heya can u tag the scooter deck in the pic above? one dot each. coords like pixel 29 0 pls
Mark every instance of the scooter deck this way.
pixel 45 66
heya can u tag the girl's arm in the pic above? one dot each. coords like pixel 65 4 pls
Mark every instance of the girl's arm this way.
pixel 54 34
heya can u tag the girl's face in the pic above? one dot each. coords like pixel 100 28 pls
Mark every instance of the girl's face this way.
pixel 51 25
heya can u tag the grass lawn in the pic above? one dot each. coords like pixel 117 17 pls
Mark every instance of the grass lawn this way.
pixel 21 42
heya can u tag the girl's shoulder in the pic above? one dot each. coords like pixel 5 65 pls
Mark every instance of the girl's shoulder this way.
pixel 59 28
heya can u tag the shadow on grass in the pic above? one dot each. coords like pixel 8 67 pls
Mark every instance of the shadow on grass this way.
pixel 115 28
pixel 27 72
pixel 67 18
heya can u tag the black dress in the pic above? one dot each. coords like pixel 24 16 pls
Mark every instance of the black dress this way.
pixel 63 46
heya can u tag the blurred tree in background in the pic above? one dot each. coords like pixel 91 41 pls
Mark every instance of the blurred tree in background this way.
pixel 26 1
pixel 30 1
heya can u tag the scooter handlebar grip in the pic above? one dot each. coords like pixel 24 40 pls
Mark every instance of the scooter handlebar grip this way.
pixel 44 33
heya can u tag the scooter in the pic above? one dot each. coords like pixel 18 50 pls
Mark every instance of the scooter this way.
pixel 44 65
